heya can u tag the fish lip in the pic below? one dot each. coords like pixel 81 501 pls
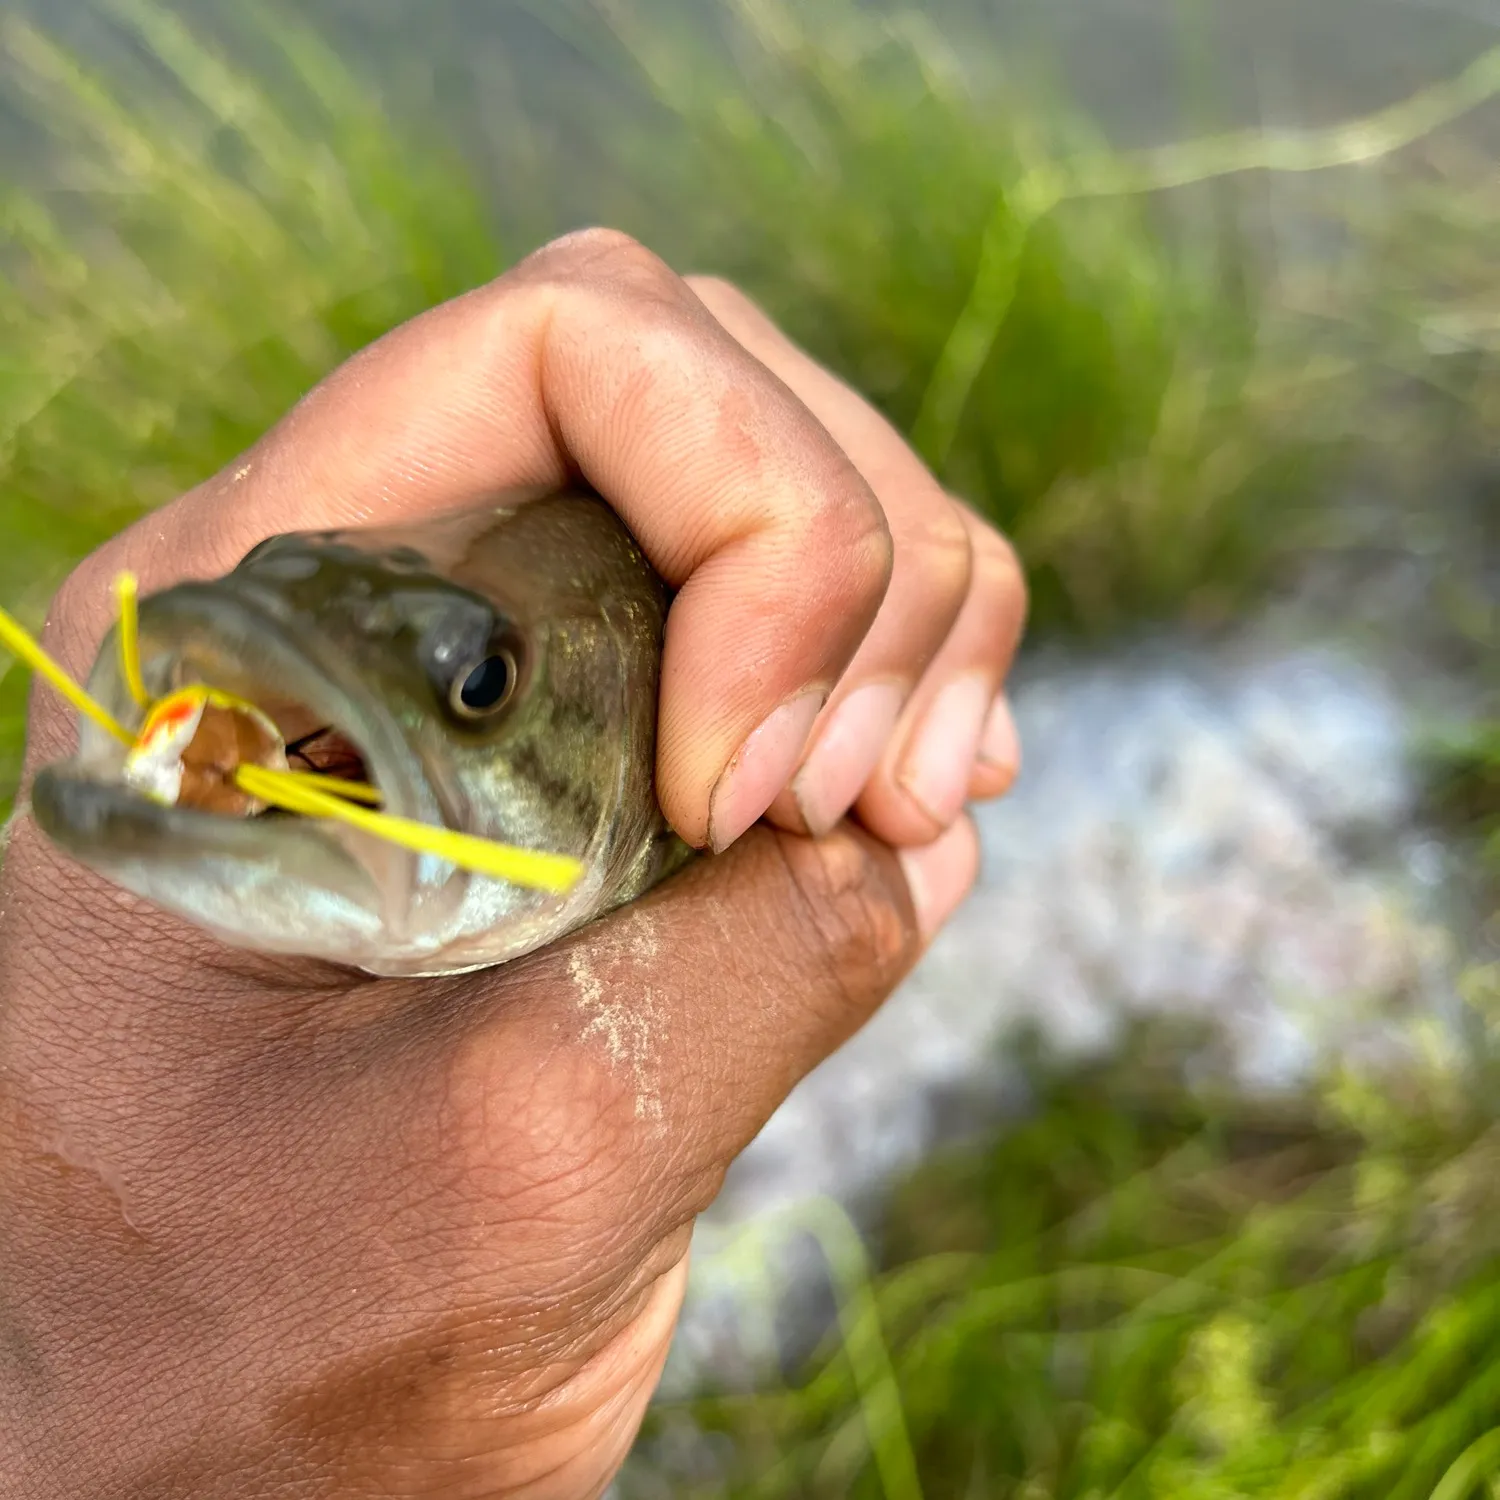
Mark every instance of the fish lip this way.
pixel 228 638
pixel 83 812
pixel 207 633
pixel 137 843
pixel 257 641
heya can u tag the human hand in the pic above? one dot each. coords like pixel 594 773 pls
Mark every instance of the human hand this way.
pixel 274 1228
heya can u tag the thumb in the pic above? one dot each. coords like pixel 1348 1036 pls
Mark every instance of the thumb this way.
pixel 709 999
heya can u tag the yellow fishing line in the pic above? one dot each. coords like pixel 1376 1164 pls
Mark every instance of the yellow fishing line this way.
pixel 130 639
pixel 316 781
pixel 19 643
pixel 529 867
pixel 308 793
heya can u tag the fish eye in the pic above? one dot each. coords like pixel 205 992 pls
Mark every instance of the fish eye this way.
pixel 485 688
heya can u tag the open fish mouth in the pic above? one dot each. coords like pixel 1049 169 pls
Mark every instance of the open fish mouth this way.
pixel 326 721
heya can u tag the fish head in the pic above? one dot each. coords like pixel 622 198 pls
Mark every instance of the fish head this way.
pixel 493 673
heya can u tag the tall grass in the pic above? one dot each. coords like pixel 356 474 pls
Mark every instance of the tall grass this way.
pixel 200 250
pixel 1150 1291
pixel 1105 382
pixel 1111 354
pixel 1122 376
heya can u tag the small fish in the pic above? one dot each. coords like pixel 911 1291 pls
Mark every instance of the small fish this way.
pixel 493 673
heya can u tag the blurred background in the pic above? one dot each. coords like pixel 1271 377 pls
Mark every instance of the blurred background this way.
pixel 1175 1169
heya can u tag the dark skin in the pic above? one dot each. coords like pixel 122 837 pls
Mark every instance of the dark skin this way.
pixel 276 1229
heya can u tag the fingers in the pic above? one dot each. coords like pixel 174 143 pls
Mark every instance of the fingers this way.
pixel 956 737
pixel 590 358
pixel 999 760
pixel 916 725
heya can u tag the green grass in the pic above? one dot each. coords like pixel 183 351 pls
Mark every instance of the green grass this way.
pixel 220 248
pixel 1106 351
pixel 217 264
pixel 1150 1290
pixel 1122 378
pixel 1113 395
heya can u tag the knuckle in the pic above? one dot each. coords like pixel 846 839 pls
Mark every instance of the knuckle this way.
pixel 726 300
pixel 875 554
pixel 997 566
pixel 852 914
pixel 866 561
pixel 994 555
pixel 845 530
pixel 942 553
pixel 1000 563
pixel 600 258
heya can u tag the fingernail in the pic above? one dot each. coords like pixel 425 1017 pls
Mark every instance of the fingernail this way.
pixel 940 758
pixel 940 874
pixel 847 752
pixel 1000 744
pixel 762 766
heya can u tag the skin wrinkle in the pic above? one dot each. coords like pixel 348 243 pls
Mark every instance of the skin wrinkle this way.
pixel 541 354
pixel 619 1418
pixel 71 1158
pixel 578 1171
pixel 472 1194
pixel 852 914
pixel 402 1374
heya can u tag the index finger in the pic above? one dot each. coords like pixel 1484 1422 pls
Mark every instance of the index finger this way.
pixel 592 359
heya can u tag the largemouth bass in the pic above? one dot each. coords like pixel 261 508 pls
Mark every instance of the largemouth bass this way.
pixel 494 673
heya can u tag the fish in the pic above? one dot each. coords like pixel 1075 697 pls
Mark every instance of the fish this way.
pixel 493 672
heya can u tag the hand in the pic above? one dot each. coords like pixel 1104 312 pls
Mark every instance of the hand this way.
pixel 273 1228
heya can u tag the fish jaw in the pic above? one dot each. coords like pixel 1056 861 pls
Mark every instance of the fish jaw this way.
pixel 284 888
pixel 274 883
